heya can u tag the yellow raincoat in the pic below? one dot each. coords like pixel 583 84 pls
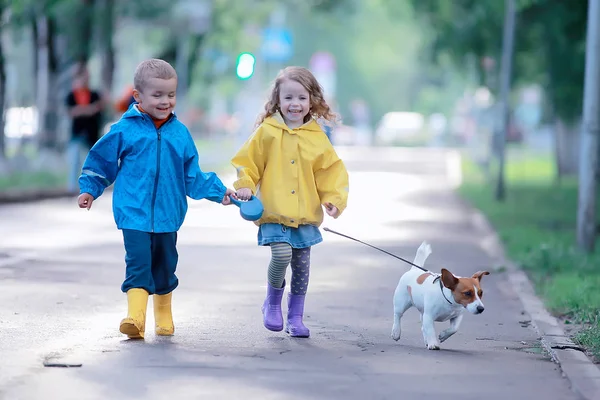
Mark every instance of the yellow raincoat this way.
pixel 293 171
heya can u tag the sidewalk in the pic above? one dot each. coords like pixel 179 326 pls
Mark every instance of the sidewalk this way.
pixel 221 351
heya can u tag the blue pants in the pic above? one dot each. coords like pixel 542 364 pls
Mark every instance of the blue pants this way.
pixel 151 260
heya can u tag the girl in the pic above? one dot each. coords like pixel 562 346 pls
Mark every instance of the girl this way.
pixel 293 162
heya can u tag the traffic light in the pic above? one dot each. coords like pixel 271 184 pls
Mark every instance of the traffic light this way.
pixel 245 66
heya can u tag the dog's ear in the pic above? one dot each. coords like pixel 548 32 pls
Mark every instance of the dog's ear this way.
pixel 449 280
pixel 479 274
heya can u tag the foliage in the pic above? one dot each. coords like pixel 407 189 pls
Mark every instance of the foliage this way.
pixel 558 29
pixel 549 42
pixel 379 64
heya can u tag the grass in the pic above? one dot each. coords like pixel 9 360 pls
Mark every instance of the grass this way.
pixel 29 180
pixel 537 223
pixel 51 180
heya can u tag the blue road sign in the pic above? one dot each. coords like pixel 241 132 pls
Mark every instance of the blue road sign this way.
pixel 276 45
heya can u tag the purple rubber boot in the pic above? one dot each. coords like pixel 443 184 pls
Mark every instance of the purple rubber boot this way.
pixel 294 325
pixel 271 309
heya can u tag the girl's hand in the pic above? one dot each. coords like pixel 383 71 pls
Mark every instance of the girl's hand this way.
pixel 331 210
pixel 244 194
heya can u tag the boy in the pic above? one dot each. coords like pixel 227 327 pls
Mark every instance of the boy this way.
pixel 152 160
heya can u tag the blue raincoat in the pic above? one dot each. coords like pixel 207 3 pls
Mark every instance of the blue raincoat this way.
pixel 153 171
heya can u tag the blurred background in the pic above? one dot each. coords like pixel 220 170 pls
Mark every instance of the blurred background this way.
pixel 400 73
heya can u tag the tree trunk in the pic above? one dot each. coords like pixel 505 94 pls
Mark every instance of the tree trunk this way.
pixel 107 27
pixel 2 97
pixel 35 58
pixel 586 210
pixel 566 139
pixel 46 93
pixel 198 41
pixel 83 39
pixel 505 87
pixel 42 59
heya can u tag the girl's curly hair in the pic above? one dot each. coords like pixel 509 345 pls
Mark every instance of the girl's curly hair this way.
pixel 319 109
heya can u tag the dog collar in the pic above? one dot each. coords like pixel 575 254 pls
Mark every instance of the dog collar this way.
pixel 439 279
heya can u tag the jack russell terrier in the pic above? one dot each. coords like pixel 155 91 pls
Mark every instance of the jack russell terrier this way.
pixel 438 297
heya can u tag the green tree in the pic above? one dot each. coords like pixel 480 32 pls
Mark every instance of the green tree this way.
pixel 550 47
pixel 377 53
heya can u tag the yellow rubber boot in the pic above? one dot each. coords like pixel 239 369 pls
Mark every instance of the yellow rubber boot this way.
pixel 162 314
pixel 135 323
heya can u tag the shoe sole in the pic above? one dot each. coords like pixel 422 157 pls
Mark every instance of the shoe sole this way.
pixel 274 328
pixel 164 332
pixel 297 336
pixel 131 331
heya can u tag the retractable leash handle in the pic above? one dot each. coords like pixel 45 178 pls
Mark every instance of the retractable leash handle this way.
pixel 250 210
pixel 376 248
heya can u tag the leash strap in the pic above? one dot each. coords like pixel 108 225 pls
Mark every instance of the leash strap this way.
pixel 376 248
pixel 439 278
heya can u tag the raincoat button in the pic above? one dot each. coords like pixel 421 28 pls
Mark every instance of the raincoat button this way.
pixel 293 192
pixel 293 162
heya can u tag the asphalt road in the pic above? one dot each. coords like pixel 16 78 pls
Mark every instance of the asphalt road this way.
pixel 61 270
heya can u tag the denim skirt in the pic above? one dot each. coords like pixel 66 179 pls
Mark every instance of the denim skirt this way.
pixel 301 237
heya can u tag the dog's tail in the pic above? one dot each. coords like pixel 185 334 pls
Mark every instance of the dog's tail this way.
pixel 423 252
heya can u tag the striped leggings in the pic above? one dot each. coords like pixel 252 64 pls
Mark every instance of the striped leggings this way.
pixel 282 255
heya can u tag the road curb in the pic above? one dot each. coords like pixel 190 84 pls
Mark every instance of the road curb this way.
pixel 582 373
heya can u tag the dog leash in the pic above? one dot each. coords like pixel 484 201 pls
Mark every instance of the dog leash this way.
pixel 439 279
pixel 437 276
pixel 376 248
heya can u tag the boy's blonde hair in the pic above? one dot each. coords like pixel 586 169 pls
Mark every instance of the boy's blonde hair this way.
pixel 152 68
pixel 319 109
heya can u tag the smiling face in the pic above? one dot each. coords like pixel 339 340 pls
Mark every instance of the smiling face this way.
pixel 466 291
pixel 294 103
pixel 158 97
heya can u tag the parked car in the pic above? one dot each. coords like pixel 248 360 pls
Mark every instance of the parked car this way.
pixel 401 128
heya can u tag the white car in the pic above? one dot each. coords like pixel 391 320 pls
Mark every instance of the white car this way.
pixel 400 128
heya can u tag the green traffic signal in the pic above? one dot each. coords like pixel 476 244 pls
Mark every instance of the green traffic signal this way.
pixel 245 65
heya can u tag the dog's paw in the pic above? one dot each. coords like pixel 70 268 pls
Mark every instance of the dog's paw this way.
pixel 395 335
pixel 446 334
pixel 433 346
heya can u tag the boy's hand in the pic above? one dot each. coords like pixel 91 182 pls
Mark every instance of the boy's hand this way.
pixel 85 200
pixel 244 194
pixel 226 200
pixel 331 210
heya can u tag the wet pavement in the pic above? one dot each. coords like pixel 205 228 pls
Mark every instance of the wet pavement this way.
pixel 61 270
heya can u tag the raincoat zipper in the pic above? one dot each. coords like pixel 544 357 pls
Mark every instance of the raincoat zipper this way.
pixel 155 178
pixel 158 145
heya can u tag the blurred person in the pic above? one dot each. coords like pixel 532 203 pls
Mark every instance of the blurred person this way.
pixel 298 171
pixel 84 106
pixel 126 99
pixel 325 125
pixel 362 122
pixel 153 161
